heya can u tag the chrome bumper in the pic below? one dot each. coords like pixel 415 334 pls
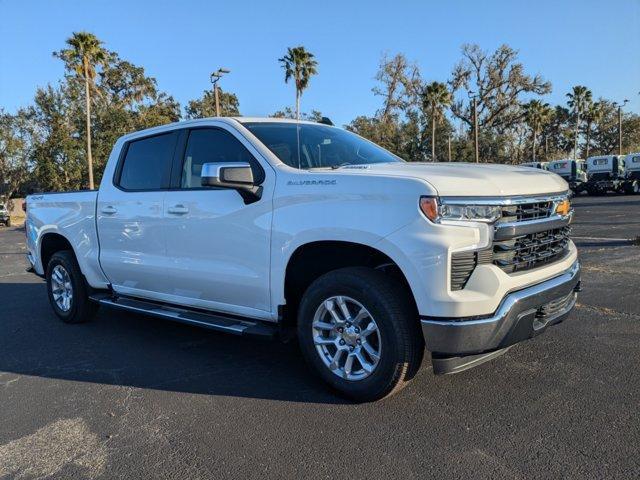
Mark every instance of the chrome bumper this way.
pixel 521 315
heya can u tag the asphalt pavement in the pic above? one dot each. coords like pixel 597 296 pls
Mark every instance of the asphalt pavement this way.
pixel 128 396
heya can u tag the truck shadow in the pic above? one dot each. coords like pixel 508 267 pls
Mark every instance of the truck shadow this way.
pixel 119 348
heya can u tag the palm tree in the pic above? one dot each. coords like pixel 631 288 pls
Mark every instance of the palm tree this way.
pixel 579 100
pixel 83 54
pixel 300 65
pixel 592 115
pixel 536 115
pixel 436 98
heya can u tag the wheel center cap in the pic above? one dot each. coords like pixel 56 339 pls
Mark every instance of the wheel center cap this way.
pixel 350 336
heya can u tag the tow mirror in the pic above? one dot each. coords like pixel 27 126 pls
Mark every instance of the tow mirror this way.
pixel 236 176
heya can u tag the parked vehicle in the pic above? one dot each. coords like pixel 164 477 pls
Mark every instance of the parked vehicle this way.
pixel 540 165
pixel 605 174
pixel 573 171
pixel 274 227
pixel 5 218
pixel 632 174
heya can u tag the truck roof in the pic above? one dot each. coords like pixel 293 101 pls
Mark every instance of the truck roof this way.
pixel 205 121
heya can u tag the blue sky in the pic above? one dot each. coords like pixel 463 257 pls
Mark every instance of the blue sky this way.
pixel 590 42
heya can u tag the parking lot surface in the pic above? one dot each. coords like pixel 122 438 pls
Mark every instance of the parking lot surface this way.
pixel 128 396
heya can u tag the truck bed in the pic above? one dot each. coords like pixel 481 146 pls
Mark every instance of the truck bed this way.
pixel 75 214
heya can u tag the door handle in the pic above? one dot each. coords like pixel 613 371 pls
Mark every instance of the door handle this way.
pixel 108 210
pixel 178 210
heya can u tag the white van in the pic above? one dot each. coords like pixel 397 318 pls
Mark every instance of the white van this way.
pixel 632 173
pixel 605 173
pixel 573 171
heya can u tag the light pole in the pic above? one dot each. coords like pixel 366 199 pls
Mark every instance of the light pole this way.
pixel 474 97
pixel 215 77
pixel 616 104
pixel 449 141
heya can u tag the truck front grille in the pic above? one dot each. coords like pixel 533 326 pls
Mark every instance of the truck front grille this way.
pixel 527 211
pixel 532 250
pixel 517 253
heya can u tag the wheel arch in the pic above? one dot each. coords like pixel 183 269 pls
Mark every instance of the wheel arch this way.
pixel 50 243
pixel 311 260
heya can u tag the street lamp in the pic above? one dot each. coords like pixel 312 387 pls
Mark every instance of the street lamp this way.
pixel 616 104
pixel 215 77
pixel 474 97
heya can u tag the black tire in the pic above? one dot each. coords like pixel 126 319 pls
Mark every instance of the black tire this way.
pixel 402 344
pixel 81 308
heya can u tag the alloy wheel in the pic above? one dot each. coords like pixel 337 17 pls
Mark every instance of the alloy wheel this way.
pixel 346 338
pixel 61 288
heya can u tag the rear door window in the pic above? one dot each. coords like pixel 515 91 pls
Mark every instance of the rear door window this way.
pixel 147 163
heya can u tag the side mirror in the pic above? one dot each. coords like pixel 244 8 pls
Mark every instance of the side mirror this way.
pixel 236 176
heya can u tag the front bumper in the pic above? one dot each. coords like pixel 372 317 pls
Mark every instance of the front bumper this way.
pixel 521 315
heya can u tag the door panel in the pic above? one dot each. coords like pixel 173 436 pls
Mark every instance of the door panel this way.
pixel 132 242
pixel 218 250
pixel 218 247
pixel 130 216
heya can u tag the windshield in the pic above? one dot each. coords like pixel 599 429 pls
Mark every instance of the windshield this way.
pixel 305 146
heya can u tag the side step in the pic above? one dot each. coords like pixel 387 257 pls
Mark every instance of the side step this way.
pixel 213 321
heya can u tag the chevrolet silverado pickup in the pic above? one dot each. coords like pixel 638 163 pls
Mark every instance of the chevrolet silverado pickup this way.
pixel 290 229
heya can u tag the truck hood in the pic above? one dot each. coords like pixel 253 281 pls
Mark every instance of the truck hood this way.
pixel 471 179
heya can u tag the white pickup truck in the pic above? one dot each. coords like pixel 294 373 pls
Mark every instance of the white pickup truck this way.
pixel 274 227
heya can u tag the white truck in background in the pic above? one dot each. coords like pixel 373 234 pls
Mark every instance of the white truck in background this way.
pixel 274 227
pixel 573 171
pixel 605 173
pixel 632 174
pixel 540 165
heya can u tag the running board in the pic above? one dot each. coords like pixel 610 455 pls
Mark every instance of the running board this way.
pixel 213 321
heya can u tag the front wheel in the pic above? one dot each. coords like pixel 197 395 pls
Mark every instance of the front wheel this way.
pixel 360 333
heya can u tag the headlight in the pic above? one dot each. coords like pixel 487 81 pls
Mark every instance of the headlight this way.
pixel 469 213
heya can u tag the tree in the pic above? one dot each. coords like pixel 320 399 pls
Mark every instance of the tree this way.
pixel 579 100
pixel 85 52
pixel 399 83
pixel 287 112
pixel 123 99
pixel 558 134
pixel 537 115
pixel 592 115
pixel 436 97
pixel 14 153
pixel 399 125
pixel 300 65
pixel 498 81
pixel 206 105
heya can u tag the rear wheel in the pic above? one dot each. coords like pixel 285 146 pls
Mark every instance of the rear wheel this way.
pixel 67 289
pixel 360 332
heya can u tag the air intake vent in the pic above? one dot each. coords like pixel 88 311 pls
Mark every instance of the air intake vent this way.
pixel 463 264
